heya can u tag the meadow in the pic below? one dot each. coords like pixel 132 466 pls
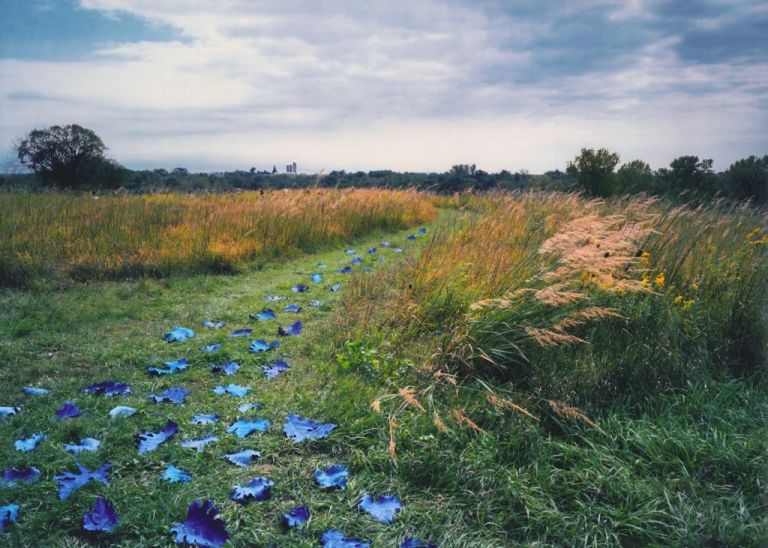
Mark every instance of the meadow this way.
pixel 530 368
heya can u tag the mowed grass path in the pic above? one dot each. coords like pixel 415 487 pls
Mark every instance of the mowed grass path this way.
pixel 91 333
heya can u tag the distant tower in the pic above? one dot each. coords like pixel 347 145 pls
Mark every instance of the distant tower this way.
pixel 291 168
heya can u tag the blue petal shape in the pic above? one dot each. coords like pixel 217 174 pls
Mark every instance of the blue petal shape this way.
pixel 109 388
pixel 260 345
pixel 333 477
pixel 350 251
pixel 397 249
pixel 422 230
pixel 357 260
pixel 202 527
pixel 213 325
pixel 315 303
pixel 272 298
pixel 296 517
pixel 6 412
pixel 293 308
pixel 175 475
pixel 121 411
pixel 316 278
pixel 274 369
pixel 35 391
pixel 171 367
pixel 242 458
pixel 102 518
pixel 229 368
pixel 174 394
pixel 233 389
pixel 299 429
pixel 371 250
pixel 149 441
pixel 345 270
pixel 11 476
pixel 248 406
pixel 8 515
pixel 199 444
pixel 411 237
pixel 335 287
pixel 385 243
pixel 321 265
pixel 178 334
pixel 300 288
pixel 257 489
pixel 336 539
pixel 264 315
pixel 242 427
pixel 241 332
pixel 290 331
pixel 72 481
pixel 86 444
pixel 28 444
pixel 383 508
pixel 202 419
pixel 68 410
pixel 211 347
pixel 410 542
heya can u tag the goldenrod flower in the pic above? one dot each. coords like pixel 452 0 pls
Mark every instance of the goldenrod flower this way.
pixel 679 299
pixel 660 279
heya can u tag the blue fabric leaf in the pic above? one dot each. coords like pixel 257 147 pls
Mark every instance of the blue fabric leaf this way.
pixel 241 332
pixel 345 270
pixel 410 542
pixel 272 298
pixel 258 489
pixel 176 475
pixel 274 369
pixel 350 251
pixel 335 287
pixel 385 243
pixel 248 406
pixel 336 539
pixel 229 368
pixel 383 508
pixel 299 429
pixel 178 334
pixel 371 250
pixel 211 347
pixel 171 367
pixel 397 249
pixel 315 303
pixel 149 441
pixel 300 288
pixel 213 325
pixel 202 527
pixel 233 389
pixel 264 315
pixel 321 265
pixel 411 237
pixel 8 515
pixel 333 477
pixel 242 458
pixel 11 476
pixel 121 411
pixel 290 331
pixel 109 388
pixel 102 518
pixel 202 419
pixel 296 517
pixel 357 260
pixel 199 444
pixel 6 412
pixel 86 444
pixel 242 427
pixel 422 230
pixel 260 345
pixel 28 444
pixel 293 308
pixel 35 391
pixel 72 481
pixel 174 394
pixel 316 278
pixel 68 410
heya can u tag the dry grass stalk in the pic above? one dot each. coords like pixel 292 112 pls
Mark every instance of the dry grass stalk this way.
pixel 376 405
pixel 448 377
pixel 392 442
pixel 438 422
pixel 592 313
pixel 461 418
pixel 409 396
pixel 550 339
pixel 501 403
pixel 572 414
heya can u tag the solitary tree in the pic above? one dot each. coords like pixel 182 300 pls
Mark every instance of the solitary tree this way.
pixel 689 173
pixel 593 170
pixel 635 176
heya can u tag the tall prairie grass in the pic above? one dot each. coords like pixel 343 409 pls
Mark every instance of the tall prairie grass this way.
pixel 78 237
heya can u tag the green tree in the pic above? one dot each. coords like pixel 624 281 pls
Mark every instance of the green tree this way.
pixel 635 176
pixel 594 171
pixel 748 178
pixel 689 173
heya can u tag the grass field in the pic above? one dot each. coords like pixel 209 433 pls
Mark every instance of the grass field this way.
pixel 535 369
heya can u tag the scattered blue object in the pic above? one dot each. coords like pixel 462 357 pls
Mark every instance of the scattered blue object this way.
pixel 242 427
pixel 248 406
pixel 213 325
pixel 357 260
pixel 199 444
pixel 272 298
pixel 296 517
pixel 102 518
pixel 274 369
pixel 422 230
pixel 233 389
pixel 242 458
pixel 109 389
pixel 25 445
pixel 256 490
pixel 290 331
pixel 397 249
pixel 411 237
pixel 383 508
pixel 121 411
pixel 300 288
pixel 174 394
pixel 410 542
pixel 202 419
pixel 299 428
pixel 68 410
pixel 350 251
pixel 317 278
pixel 8 515
pixel 6 412
pixel 321 265
pixel 260 345
pixel 176 475
pixel 371 250
pixel 266 314
pixel 211 347
pixel 178 334
pixel 86 444
pixel 229 368
pixel 367 269
pixel 336 539
pixel 202 527
pixel 35 391
pixel 315 303
pixel 335 287
pixel 70 482
pixel 11 476
pixel 241 332
pixel 170 367
pixel 333 477
pixel 345 270
pixel 149 441
pixel 293 308
pixel 385 243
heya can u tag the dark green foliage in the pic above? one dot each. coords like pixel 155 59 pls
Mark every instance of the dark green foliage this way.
pixel 748 179
pixel 688 173
pixel 594 171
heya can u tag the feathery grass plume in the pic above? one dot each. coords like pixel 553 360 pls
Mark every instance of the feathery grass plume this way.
pixel 550 339
pixel 461 418
pixel 586 315
pixel 438 422
pixel 376 405
pixel 409 396
pixel 392 442
pixel 572 414
pixel 501 403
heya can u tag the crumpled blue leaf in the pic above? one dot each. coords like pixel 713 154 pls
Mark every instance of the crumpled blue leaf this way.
pixel 411 237
pixel 264 315
pixel 256 490
pixel 174 394
pixel 357 260
pixel 68 410
pixel 422 230
pixel 242 427
pixel 397 249
pixel 316 278
pixel 199 444
pixel 121 411
pixel 260 345
pixel 272 298
pixel 274 369
pixel 367 269
pixel 242 458
pixel 202 527
pixel 350 251
pixel 345 270
pixel 233 389
pixel 26 445
pixel 213 325
pixel 109 388
pixel 299 428
pixel 211 347
pixel 335 287
pixel 102 518
pixel 72 481
pixel 11 476
pixel 201 419
pixel 178 334
pixel 86 444
pixel 176 475
pixel 321 265
pixel 315 303
pixel 6 412
pixel 410 542
pixel 336 539
pixel 333 477
pixel 149 441
pixel 170 367
pixel 385 243
pixel 241 332
pixel 293 308
pixel 229 368
pixel 300 288
pixel 296 517
pixel 290 331
pixel 8 515
pixel 35 391
pixel 383 508
pixel 248 406
pixel 371 250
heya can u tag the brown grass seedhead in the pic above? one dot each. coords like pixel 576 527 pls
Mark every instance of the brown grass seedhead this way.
pixel 461 418
pixel 501 403
pixel 550 339
pixel 572 414
pixel 409 396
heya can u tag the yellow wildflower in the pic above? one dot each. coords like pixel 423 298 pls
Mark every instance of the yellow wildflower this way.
pixel 688 304
pixel 644 258
pixel 695 286
pixel 679 299
pixel 660 279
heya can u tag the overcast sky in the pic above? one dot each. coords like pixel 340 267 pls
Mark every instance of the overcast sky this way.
pixel 415 85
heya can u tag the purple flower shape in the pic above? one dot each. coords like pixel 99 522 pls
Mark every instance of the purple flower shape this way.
pixel 170 367
pixel 72 481
pixel 174 394
pixel 258 489
pixel 26 445
pixel 411 237
pixel 86 444
pixel 336 539
pixel 335 287
pixel 11 476
pixel 296 517
pixel 299 429
pixel 102 518
pixel 316 278
pixel 350 251
pixel 242 458
pixel 121 411
pixel 6 412
pixel 422 230
pixel 202 419
pixel 211 347
pixel 383 508
pixel 264 315
pixel 333 477
pixel 274 369
pixel 202 527
pixel 68 410
pixel 293 308
pixel 175 475
pixel 109 389
pixel 242 427
pixel 260 345
pixel 199 444
pixel 213 325
pixel 290 331
pixel 229 368
pixel 149 441
pixel 300 288
pixel 315 303
pixel 371 250
pixel 178 334
pixel 357 260
pixel 233 389
pixel 345 270
pixel 8 515
pixel 410 542
pixel 241 332
pixel 273 298
pixel 35 391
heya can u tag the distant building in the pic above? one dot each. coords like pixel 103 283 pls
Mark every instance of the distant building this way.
pixel 291 168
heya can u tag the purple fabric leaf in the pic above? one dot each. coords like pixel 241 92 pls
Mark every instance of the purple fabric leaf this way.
pixel 6 412
pixel 170 367
pixel 233 389
pixel 178 334
pixel 8 515
pixel 333 477
pixel 300 288
pixel 345 270
pixel 264 315
pixel 273 298
pixel 70 482
pixel 213 325
pixel 211 347
pixel 149 441
pixel 293 308
pixel 350 251
pixel 199 444
pixel 422 230
pixel 335 287
pixel 68 410
pixel 86 444
pixel 229 368
pixel 299 428
pixel 242 458
pixel 315 303
pixel 290 331
pixel 174 394
pixel 175 475
pixel 316 278
pixel 296 517
pixel 109 389
pixel 26 445
pixel 102 518
pixel 336 539
pixel 274 369
pixel 242 427
pixel 202 527
pixel 121 411
pixel 357 260
pixel 35 391
pixel 411 237
pixel 258 489
pixel 371 250
pixel 201 419
pixel 11 476
pixel 383 508
pixel 241 332
pixel 410 542
pixel 260 345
